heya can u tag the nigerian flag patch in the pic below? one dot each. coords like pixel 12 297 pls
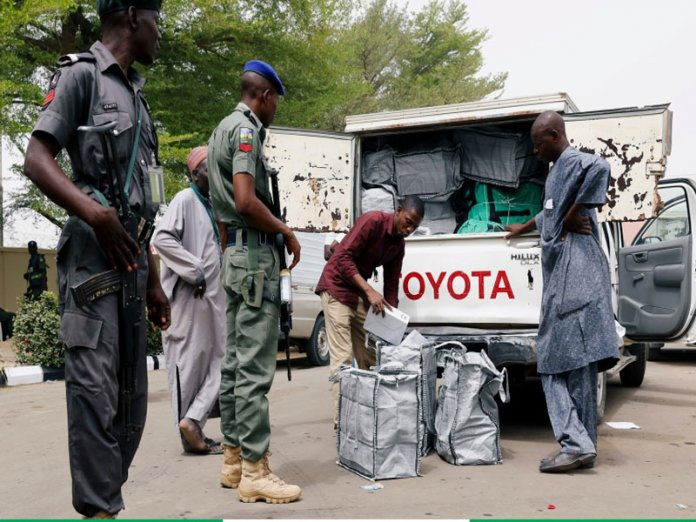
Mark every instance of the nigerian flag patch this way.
pixel 246 139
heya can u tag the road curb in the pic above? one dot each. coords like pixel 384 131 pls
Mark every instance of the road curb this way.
pixel 18 375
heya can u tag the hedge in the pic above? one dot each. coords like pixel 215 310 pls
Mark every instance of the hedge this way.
pixel 36 328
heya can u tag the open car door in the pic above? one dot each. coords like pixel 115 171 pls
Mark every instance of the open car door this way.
pixel 656 273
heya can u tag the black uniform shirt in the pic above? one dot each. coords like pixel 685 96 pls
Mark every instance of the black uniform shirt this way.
pixel 94 93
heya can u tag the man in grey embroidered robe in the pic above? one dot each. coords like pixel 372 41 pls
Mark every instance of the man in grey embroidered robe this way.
pixel 188 244
pixel 576 335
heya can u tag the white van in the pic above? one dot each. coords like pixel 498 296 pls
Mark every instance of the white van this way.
pixel 308 330
pixel 474 285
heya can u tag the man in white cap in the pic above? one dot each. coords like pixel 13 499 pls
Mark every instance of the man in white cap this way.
pixel 188 242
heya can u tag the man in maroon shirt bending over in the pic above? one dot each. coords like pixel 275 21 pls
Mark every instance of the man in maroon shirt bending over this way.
pixel 376 239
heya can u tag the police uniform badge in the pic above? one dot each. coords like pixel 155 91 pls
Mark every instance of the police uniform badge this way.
pixel 246 139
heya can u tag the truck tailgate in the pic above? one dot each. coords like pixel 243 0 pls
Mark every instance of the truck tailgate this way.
pixel 473 279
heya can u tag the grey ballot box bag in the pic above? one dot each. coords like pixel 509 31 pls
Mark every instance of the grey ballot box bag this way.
pixel 379 422
pixel 418 353
pixel 467 422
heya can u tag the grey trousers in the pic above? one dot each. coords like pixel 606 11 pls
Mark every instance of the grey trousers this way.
pixel 571 400
pixel 99 451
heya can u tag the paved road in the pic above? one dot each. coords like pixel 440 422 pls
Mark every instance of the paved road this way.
pixel 644 473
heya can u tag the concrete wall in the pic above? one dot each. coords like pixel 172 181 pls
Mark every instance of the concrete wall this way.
pixel 13 264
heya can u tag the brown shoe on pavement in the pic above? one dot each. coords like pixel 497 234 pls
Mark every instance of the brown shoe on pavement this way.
pixel 259 483
pixel 231 472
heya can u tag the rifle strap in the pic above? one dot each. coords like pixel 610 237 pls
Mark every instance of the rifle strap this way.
pixel 131 162
pixel 136 145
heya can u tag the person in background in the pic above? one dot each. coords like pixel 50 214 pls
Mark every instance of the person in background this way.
pixel 577 337
pixel 240 191
pixel 188 243
pixel 91 89
pixel 6 324
pixel 376 239
pixel 37 282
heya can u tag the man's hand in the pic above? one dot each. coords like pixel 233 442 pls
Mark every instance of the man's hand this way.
pixel 199 290
pixel 293 247
pixel 377 301
pixel 120 250
pixel 576 223
pixel 515 229
pixel 158 307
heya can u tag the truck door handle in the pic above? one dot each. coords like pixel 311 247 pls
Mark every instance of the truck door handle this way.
pixel 526 244
pixel 638 277
pixel 640 257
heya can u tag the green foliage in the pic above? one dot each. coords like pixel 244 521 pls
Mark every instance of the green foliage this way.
pixel 36 329
pixel 336 57
pixel 154 339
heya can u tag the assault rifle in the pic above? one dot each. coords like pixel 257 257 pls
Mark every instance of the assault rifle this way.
pixel 285 283
pixel 130 304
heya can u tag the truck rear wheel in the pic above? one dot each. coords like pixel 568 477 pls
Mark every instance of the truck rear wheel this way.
pixel 633 374
pixel 601 395
pixel 317 347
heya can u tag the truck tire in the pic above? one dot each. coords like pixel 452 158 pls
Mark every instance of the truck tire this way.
pixel 601 395
pixel 633 374
pixel 317 347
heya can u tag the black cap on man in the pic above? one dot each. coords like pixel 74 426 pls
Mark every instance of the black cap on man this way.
pixel 105 7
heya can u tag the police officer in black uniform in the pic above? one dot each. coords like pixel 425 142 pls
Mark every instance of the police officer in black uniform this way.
pixel 91 89
pixel 37 282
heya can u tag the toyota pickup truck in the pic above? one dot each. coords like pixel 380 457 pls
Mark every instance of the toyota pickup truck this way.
pixel 473 165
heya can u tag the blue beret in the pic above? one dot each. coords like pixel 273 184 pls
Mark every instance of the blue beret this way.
pixel 105 7
pixel 265 70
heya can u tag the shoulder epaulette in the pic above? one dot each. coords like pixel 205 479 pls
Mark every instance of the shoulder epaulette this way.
pixel 73 58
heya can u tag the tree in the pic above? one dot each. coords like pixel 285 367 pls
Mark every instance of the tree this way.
pixel 429 58
pixel 336 57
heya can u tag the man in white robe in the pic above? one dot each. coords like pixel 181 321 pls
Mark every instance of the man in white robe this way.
pixel 187 240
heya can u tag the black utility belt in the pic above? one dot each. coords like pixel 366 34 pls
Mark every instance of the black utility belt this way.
pixel 264 237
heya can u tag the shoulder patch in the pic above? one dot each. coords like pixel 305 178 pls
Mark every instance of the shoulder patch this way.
pixel 246 139
pixel 51 94
pixel 73 58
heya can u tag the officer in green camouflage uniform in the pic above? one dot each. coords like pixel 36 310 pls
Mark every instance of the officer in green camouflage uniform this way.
pixel 239 188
